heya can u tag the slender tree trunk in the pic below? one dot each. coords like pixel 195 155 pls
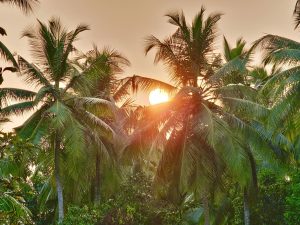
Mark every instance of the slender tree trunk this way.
pixel 206 208
pixel 246 208
pixel 97 179
pixel 59 189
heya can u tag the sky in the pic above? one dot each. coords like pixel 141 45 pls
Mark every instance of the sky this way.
pixel 124 24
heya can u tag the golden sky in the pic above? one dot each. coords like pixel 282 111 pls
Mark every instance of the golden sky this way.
pixel 123 25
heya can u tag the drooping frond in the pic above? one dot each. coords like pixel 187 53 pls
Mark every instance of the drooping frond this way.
pixel 7 94
pixel 277 82
pixel 297 14
pixel 235 65
pixel 7 55
pixel 98 106
pixel 35 127
pixel 238 90
pixel 32 73
pixel 98 124
pixel 137 83
pixel 246 108
pixel 18 108
pixel 10 205
pixel 279 49
pixel 25 5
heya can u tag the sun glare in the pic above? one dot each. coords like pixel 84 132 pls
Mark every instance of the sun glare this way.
pixel 157 96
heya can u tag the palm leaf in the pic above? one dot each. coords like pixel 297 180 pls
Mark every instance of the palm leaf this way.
pixel 7 55
pixel 7 94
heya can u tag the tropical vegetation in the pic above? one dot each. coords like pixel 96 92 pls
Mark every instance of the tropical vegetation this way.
pixel 223 150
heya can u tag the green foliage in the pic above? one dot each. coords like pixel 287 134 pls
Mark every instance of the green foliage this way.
pixel 225 121
pixel 292 213
pixel 133 204
pixel 81 216
pixel 270 206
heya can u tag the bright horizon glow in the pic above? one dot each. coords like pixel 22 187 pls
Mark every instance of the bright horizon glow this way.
pixel 157 96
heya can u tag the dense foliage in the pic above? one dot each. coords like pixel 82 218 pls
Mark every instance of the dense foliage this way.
pixel 224 150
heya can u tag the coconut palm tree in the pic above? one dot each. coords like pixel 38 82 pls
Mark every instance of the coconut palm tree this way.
pixel 283 87
pixel 109 64
pixel 239 79
pixel 205 135
pixel 60 115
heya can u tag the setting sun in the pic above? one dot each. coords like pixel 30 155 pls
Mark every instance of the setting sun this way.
pixel 157 96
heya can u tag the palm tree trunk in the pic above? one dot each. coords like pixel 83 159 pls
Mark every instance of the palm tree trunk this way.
pixel 59 189
pixel 97 179
pixel 246 208
pixel 206 208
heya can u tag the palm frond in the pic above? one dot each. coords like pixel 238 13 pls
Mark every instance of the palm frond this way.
pixel 139 83
pixel 25 5
pixel 235 65
pixel 278 49
pixel 32 73
pixel 9 205
pixel 18 108
pixel 7 55
pixel 7 94
pixel 297 14
pixel 246 108
pixel 238 90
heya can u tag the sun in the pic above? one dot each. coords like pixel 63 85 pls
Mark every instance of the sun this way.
pixel 157 96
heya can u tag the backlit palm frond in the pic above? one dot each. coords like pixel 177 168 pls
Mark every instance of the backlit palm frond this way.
pixel 18 108
pixel 51 46
pixel 25 5
pixel 96 70
pixel 275 82
pixel 237 51
pixel 246 109
pixel 35 127
pixel 32 73
pixel 7 55
pixel 8 94
pixel 71 37
pixel 283 109
pixel 188 52
pixel 279 49
pixel 114 59
pixel 235 65
pixel 137 83
pixel 297 14
pixel 98 106
pixel 103 128
pixel 238 90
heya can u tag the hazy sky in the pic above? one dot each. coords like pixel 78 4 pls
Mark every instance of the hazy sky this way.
pixel 123 24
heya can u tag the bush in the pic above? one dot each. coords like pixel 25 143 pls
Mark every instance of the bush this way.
pixel 292 213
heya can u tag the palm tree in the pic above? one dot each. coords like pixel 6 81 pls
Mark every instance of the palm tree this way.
pixel 238 78
pixel 283 87
pixel 103 77
pixel 189 52
pixel 189 55
pixel 59 110
pixel 206 136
